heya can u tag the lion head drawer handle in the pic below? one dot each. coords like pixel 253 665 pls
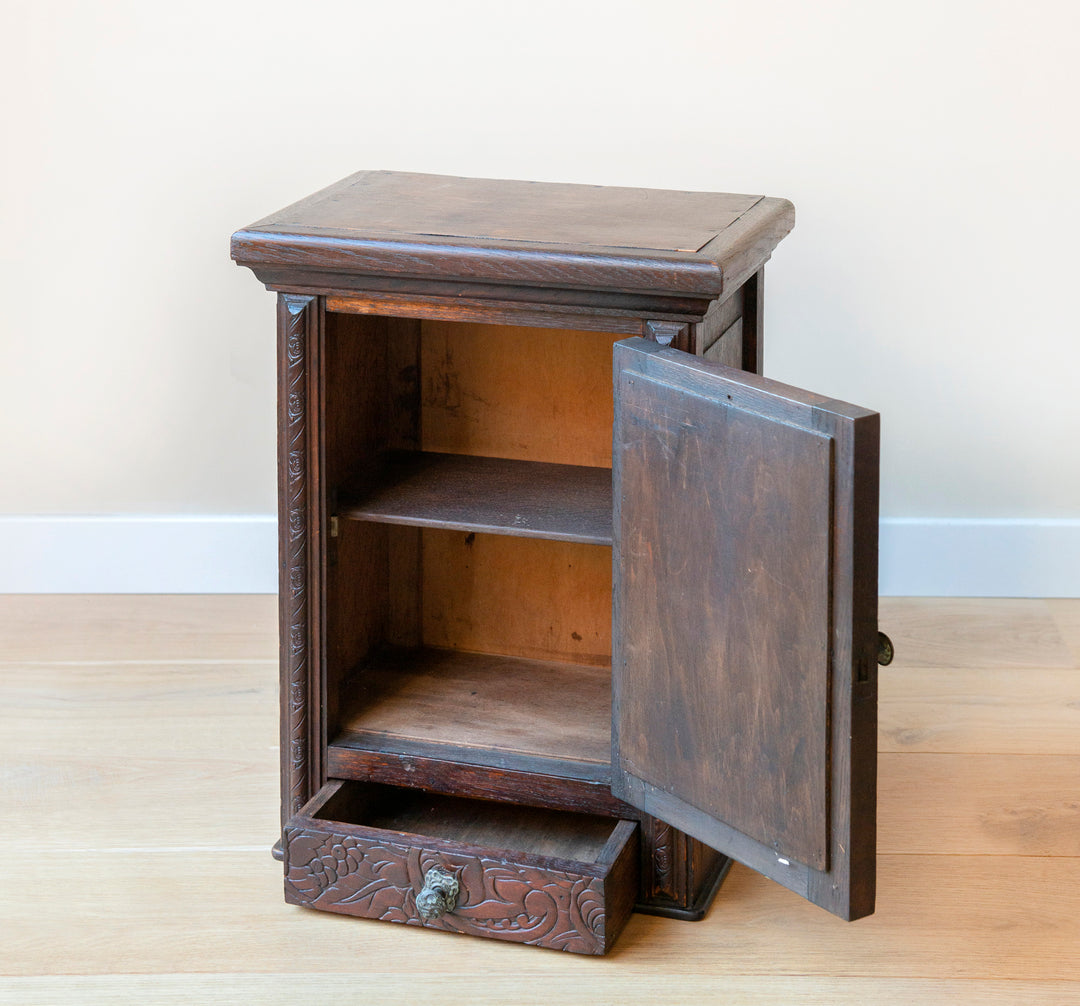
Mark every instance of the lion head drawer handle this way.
pixel 439 895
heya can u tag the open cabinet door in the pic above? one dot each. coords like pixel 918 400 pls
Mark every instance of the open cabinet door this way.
pixel 745 619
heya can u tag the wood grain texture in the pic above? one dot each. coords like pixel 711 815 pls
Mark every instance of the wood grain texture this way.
pixel 300 562
pixel 497 989
pixel 698 611
pixel 185 908
pixel 371 398
pixel 987 709
pixel 728 349
pixel 114 628
pixel 358 417
pixel 721 316
pixel 745 247
pixel 500 706
pixel 502 900
pixel 641 283
pixel 941 917
pixel 982 804
pixel 665 847
pixel 86 750
pixel 547 881
pixel 679 875
pixel 1065 613
pixel 750 508
pixel 524 597
pixel 360 384
pixel 354 235
pixel 516 303
pixel 579 786
pixel 529 830
pixel 533 395
pixel 977 633
pixel 403 203
pixel 501 311
pixel 526 499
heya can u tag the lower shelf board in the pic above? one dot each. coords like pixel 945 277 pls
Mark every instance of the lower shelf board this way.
pixel 482 709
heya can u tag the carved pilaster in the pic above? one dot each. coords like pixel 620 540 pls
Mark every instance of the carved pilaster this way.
pixel 297 330
pixel 679 875
pixel 664 849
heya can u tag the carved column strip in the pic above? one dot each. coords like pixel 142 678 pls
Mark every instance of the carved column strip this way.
pixel 297 547
pixel 665 861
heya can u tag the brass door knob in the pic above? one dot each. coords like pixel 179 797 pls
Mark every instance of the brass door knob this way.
pixel 885 650
pixel 439 895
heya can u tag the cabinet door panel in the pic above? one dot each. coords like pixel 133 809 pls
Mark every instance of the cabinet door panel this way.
pixel 745 618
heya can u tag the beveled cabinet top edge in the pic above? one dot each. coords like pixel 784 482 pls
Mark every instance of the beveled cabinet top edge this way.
pixel 435 227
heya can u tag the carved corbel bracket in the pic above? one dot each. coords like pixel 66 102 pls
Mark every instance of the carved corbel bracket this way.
pixel 668 333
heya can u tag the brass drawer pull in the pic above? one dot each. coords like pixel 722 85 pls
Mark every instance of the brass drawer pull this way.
pixel 439 895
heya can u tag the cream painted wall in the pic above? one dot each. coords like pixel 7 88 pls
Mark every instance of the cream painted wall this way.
pixel 931 149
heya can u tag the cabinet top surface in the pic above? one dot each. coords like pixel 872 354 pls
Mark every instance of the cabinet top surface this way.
pixel 438 229
pixel 408 205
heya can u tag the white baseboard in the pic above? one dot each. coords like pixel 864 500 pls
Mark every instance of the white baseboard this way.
pixel 138 555
pixel 237 555
pixel 979 558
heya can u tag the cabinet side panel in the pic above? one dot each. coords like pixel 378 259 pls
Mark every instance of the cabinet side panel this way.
pixel 753 327
pixel 716 323
pixel 371 405
pixel 727 350
pixel 706 865
pixel 356 365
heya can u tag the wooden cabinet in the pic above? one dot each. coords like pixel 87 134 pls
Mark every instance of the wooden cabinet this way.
pixel 575 605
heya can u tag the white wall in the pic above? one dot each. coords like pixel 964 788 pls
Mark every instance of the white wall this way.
pixel 931 149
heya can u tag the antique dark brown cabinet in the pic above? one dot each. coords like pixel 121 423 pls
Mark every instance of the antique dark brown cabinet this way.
pixel 575 605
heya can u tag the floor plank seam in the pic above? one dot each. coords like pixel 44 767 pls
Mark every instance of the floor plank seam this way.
pixel 159 849
pixel 981 855
pixel 270 662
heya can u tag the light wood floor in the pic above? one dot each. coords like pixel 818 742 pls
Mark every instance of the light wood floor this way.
pixel 138 803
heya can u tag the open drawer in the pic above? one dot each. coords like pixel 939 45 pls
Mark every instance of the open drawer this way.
pixel 547 878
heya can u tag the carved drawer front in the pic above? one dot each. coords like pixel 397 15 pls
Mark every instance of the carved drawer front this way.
pixel 551 879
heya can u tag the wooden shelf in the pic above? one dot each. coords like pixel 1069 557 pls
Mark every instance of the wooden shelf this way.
pixel 482 709
pixel 527 499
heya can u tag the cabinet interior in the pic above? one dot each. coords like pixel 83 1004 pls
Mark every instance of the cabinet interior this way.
pixel 468 589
